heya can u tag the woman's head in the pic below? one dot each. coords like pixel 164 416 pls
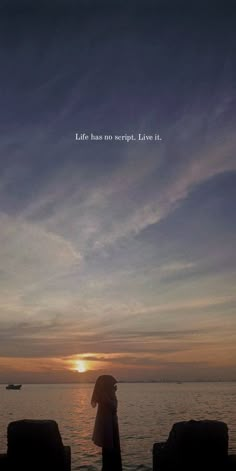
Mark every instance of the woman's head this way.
pixel 105 385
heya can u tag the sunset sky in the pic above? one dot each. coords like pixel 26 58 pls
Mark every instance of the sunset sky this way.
pixel 118 255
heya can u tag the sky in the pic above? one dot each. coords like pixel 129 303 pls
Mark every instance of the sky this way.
pixel 117 256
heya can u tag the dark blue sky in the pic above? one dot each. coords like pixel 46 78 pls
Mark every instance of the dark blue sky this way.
pixel 119 253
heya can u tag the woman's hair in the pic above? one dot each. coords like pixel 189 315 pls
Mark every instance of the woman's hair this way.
pixel 104 386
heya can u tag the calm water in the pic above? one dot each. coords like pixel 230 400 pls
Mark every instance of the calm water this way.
pixel 146 414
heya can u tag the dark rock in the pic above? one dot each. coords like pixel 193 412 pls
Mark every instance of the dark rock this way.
pixel 232 463
pixel 3 462
pixel 193 445
pixel 36 445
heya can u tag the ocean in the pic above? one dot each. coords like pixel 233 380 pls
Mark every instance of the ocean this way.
pixel 146 414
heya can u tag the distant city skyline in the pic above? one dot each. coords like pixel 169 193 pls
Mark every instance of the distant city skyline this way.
pixel 117 257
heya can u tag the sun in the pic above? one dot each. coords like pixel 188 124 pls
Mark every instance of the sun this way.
pixel 81 366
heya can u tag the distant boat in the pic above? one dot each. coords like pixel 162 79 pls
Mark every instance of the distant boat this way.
pixel 13 386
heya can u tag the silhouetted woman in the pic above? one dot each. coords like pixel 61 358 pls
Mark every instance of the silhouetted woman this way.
pixel 106 429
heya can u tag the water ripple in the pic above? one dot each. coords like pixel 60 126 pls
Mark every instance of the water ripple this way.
pixel 146 414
